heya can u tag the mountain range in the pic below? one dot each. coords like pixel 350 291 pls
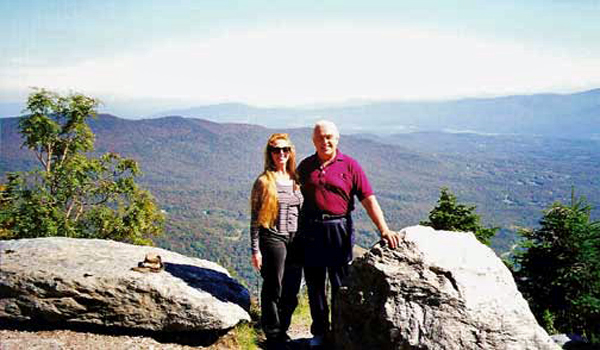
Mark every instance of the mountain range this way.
pixel 201 173
pixel 574 115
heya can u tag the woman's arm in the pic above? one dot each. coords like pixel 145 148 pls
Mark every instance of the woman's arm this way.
pixel 255 199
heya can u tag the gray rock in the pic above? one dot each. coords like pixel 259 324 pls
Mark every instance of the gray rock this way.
pixel 69 282
pixel 438 290
pixel 573 342
pixel 560 339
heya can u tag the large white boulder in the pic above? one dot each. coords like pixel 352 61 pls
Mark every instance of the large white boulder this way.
pixel 65 282
pixel 438 290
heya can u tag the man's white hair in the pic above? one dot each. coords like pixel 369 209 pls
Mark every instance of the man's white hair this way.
pixel 327 124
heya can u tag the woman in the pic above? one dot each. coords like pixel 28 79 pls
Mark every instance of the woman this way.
pixel 275 202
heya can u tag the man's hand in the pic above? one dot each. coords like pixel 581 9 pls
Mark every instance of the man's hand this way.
pixel 392 238
pixel 257 261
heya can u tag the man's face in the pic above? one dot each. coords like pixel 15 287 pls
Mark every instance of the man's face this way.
pixel 325 139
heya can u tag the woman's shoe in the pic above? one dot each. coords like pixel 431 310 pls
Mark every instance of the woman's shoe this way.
pixel 315 341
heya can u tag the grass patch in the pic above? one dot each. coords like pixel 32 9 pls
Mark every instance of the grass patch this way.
pixel 249 335
pixel 301 317
pixel 245 337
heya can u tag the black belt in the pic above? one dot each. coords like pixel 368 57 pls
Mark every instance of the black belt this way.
pixel 326 217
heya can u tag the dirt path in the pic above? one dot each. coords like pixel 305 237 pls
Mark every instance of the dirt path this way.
pixel 73 340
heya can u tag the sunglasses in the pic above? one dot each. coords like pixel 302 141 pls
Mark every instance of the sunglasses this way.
pixel 279 149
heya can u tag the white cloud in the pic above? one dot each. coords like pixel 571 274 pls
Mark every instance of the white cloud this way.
pixel 297 66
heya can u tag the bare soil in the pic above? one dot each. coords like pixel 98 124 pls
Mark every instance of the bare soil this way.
pixel 75 340
pixel 11 339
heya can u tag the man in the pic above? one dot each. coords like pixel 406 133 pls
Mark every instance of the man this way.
pixel 330 180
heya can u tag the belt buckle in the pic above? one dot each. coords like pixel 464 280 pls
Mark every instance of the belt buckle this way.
pixel 326 216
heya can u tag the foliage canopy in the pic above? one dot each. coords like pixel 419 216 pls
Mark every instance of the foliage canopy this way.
pixel 451 216
pixel 558 270
pixel 73 194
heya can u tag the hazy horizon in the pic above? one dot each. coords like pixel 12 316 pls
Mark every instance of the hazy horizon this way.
pixel 296 53
pixel 150 108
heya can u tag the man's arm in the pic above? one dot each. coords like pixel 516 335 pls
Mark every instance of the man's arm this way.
pixel 376 214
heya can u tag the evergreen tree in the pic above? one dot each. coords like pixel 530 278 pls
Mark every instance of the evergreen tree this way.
pixel 558 270
pixel 448 215
pixel 73 194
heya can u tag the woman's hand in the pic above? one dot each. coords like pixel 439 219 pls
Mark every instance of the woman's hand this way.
pixel 257 261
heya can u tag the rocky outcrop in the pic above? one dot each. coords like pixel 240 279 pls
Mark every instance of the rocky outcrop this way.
pixel 438 290
pixel 68 283
pixel 573 342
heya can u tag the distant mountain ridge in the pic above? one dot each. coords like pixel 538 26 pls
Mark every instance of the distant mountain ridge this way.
pixel 574 115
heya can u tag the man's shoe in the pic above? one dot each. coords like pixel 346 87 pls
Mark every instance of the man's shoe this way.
pixel 272 344
pixel 317 340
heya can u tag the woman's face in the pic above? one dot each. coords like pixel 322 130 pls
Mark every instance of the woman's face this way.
pixel 280 153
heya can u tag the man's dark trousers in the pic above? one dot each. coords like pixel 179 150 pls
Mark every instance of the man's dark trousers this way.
pixel 328 251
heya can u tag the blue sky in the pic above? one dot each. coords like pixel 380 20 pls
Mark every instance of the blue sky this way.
pixel 165 54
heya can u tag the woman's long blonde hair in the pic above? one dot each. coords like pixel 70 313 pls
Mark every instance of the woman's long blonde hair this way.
pixel 264 192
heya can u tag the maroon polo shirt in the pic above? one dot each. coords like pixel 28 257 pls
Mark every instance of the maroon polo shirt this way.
pixel 331 189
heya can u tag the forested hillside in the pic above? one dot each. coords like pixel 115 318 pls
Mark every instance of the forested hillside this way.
pixel 201 173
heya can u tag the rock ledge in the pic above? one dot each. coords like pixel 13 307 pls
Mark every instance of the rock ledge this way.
pixel 70 283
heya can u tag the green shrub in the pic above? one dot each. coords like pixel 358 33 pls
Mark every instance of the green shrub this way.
pixel 558 270
pixel 448 215
pixel 73 194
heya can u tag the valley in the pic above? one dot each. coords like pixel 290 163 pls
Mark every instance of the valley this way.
pixel 201 173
